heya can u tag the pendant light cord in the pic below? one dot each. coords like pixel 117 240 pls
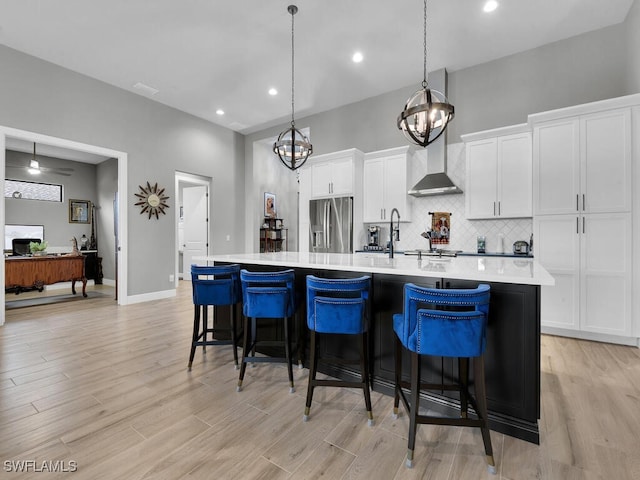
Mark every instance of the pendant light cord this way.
pixel 293 12
pixel 424 44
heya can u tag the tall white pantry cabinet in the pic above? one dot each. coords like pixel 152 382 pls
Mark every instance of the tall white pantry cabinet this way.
pixel 585 161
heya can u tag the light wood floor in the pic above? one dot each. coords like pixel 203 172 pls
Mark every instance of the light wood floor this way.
pixel 107 387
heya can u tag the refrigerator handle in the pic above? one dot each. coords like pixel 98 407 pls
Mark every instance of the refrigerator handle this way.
pixel 327 225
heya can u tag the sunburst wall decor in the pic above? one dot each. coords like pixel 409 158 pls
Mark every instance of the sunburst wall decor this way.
pixel 152 200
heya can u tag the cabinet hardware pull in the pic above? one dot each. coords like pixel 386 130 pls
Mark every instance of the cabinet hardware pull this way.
pixel 583 203
pixel 499 209
pixel 577 225
pixel 577 203
pixel 494 209
pixel 583 222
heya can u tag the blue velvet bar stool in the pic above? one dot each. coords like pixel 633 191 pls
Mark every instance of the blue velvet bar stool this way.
pixel 214 286
pixel 443 323
pixel 266 295
pixel 338 306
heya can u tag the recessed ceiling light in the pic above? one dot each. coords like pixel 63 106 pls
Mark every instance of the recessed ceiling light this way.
pixel 357 57
pixel 490 6
pixel 220 111
pixel 146 89
pixel 273 91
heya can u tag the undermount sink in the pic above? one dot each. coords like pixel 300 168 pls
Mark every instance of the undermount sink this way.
pixel 436 253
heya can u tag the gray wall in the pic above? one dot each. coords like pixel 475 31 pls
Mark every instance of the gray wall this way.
pixel 633 48
pixel 81 185
pixel 41 97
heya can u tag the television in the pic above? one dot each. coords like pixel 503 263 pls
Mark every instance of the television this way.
pixel 21 231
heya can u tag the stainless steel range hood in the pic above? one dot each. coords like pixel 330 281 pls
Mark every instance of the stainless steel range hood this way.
pixel 434 184
pixel 436 181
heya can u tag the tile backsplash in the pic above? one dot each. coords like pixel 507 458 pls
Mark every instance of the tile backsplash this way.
pixel 463 232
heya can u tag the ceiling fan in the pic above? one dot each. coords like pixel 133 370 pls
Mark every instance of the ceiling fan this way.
pixel 34 167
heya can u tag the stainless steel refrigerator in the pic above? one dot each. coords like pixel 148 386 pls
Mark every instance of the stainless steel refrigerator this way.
pixel 331 225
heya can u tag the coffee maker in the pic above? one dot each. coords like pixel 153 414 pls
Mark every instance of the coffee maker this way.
pixel 374 238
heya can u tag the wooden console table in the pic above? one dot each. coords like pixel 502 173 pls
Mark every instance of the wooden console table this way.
pixel 22 273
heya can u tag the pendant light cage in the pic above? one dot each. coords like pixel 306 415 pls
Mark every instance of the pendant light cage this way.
pixel 292 147
pixel 427 112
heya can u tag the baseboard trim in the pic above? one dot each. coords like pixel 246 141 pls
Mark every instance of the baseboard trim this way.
pixel 149 297
pixel 594 337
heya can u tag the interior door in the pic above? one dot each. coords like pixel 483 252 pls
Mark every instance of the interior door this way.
pixel 196 231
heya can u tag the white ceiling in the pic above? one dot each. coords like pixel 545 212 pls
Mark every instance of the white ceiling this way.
pixel 207 54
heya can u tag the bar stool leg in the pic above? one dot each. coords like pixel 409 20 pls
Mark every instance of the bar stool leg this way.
pixel 397 350
pixel 313 367
pixel 287 354
pixel 463 372
pixel 234 336
pixel 245 352
pixel 254 333
pixel 196 333
pixel 364 369
pixel 481 400
pixel 205 327
pixel 415 406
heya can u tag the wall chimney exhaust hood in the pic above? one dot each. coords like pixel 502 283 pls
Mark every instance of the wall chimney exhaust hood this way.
pixel 436 182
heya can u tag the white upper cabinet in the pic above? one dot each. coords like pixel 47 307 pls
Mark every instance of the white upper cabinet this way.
pixel 385 185
pixel 499 175
pixel 333 174
pixel 582 164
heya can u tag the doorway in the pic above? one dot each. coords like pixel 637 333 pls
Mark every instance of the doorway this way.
pixel 192 221
pixel 11 134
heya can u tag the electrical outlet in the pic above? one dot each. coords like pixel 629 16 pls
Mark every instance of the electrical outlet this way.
pixel 171 278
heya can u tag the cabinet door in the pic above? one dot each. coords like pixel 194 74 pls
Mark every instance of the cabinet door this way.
pixel 321 180
pixel 557 249
pixel 605 289
pixel 481 188
pixel 514 176
pixel 374 171
pixel 342 177
pixel 556 164
pixel 395 187
pixel 606 162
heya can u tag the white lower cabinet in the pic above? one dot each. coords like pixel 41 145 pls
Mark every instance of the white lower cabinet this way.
pixel 588 255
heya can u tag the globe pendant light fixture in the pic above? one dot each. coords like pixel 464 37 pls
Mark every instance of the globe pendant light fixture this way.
pixel 427 112
pixel 292 147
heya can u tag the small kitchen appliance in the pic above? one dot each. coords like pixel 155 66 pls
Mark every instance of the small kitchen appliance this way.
pixel 521 247
pixel 374 236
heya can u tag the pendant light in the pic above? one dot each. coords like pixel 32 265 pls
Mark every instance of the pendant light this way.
pixel 292 147
pixel 34 165
pixel 427 112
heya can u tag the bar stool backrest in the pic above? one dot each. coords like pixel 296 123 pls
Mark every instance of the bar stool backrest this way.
pixel 444 322
pixel 217 285
pixel 337 305
pixel 268 294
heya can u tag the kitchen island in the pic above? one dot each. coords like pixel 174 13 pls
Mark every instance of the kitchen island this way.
pixel 512 358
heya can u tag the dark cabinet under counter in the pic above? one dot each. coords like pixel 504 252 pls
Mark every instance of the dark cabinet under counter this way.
pixel 93 266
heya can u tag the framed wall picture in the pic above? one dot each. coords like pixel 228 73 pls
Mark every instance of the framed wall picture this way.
pixel 79 211
pixel 269 205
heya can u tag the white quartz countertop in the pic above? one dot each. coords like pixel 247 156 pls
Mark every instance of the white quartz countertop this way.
pixel 484 269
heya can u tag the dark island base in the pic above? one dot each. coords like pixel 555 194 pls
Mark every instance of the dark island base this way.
pixel 512 358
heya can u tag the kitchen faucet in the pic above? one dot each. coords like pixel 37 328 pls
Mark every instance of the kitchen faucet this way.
pixel 391 231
